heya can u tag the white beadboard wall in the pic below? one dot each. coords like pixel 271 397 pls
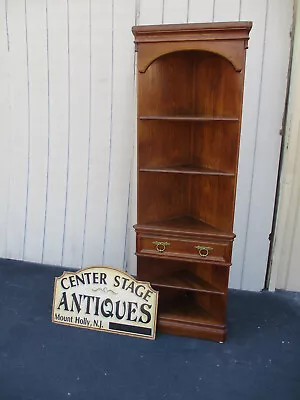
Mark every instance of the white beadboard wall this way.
pixel 285 273
pixel 67 118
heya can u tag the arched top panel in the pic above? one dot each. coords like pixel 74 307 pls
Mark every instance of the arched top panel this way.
pixel 227 39
pixel 150 52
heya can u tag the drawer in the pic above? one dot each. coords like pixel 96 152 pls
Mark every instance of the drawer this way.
pixel 210 251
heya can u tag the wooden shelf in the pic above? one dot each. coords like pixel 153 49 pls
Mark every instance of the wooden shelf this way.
pixel 184 225
pixel 186 118
pixel 185 310
pixel 187 169
pixel 186 280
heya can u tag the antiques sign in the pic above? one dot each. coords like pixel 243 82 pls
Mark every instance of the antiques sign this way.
pixel 105 299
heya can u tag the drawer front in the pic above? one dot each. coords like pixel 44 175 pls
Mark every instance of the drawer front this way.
pixel 182 248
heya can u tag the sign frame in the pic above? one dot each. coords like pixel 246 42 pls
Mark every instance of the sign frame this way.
pixel 131 329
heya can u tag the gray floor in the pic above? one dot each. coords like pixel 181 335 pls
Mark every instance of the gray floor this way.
pixel 41 360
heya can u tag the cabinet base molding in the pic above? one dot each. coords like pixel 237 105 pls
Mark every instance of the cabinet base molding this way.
pixel 214 333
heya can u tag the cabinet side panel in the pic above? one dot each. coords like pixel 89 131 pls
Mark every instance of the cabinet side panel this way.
pixel 162 196
pixel 212 200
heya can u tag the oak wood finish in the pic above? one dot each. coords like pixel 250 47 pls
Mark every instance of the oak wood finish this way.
pixel 190 91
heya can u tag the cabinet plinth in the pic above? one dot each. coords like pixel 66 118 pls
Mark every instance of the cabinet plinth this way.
pixel 189 111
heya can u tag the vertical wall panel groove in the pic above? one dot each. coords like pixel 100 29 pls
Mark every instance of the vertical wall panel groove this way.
pixel 122 132
pixel 5 145
pixel 89 135
pixel 79 131
pixel 48 132
pixel 100 113
pixel 130 262
pixel 201 11
pixel 187 11
pixel 110 128
pixel 175 11
pixel 151 13
pixel 59 130
pixel 69 135
pixel 5 16
pixel 38 129
pixel 228 10
pixel 19 129
pixel 29 127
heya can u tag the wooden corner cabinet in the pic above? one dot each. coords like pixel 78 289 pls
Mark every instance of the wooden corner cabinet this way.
pixel 190 91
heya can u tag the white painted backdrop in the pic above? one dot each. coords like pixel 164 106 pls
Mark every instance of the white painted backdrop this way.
pixel 67 127
pixel 285 273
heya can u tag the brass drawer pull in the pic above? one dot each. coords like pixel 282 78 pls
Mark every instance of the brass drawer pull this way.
pixel 161 246
pixel 203 251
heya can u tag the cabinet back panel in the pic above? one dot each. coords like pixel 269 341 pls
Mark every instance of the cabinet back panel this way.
pixel 190 83
pixel 215 145
pixel 162 196
pixel 217 87
pixel 216 275
pixel 162 143
pixel 150 269
pixel 212 200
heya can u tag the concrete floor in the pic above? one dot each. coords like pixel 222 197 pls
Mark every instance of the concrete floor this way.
pixel 40 360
